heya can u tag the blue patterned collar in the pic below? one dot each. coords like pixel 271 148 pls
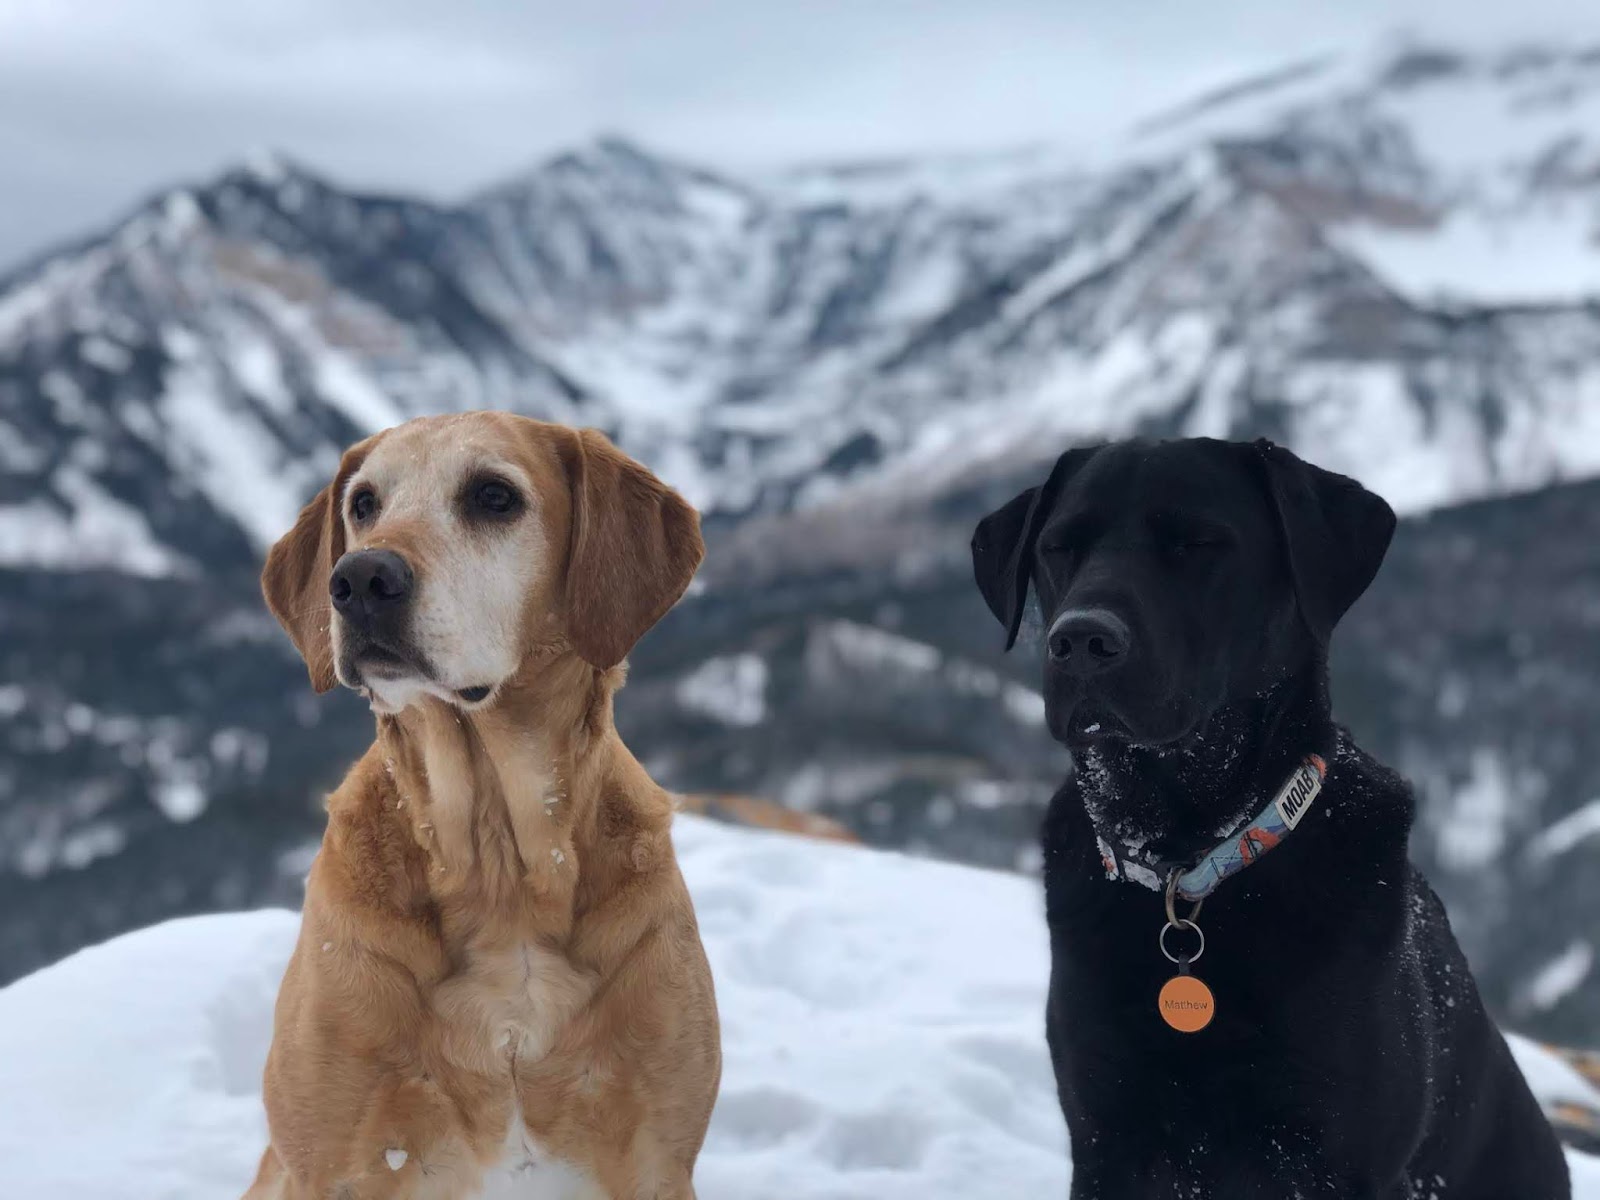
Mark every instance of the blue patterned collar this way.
pixel 1276 820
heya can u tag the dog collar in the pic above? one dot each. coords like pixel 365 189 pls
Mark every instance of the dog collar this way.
pixel 1276 820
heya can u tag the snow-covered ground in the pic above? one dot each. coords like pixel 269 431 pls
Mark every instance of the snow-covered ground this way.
pixel 881 1017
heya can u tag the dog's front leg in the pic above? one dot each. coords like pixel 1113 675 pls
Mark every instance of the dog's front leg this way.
pixel 681 1187
pixel 1117 1177
pixel 1084 1188
pixel 1101 1177
pixel 631 1180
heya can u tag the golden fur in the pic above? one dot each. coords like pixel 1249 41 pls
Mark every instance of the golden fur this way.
pixel 495 929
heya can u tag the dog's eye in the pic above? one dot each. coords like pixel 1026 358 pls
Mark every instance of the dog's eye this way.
pixel 1192 545
pixel 363 504
pixel 1184 537
pixel 495 496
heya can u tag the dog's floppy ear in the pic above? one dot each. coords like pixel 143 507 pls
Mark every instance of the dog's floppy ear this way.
pixel 1002 546
pixel 1335 532
pixel 634 547
pixel 295 579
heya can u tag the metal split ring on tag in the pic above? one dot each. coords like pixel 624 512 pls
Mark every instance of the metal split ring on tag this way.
pixel 1183 963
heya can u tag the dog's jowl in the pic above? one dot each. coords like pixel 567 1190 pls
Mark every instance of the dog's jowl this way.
pixel 499 987
pixel 1223 841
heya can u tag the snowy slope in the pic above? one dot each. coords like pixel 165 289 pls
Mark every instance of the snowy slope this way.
pixel 1460 176
pixel 171 392
pixel 882 1021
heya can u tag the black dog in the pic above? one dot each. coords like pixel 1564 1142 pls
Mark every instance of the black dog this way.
pixel 1189 590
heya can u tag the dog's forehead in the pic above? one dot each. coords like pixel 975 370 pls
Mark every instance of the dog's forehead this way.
pixel 1193 475
pixel 434 454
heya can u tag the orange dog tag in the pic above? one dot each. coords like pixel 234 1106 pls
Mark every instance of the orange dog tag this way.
pixel 1186 1004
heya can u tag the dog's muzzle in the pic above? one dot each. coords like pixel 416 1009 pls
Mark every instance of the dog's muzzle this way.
pixel 1084 642
pixel 367 587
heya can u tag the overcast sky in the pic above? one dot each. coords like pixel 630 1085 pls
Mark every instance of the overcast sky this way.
pixel 104 101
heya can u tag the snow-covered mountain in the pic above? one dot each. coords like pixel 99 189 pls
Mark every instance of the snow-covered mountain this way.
pixel 1391 262
pixel 921 1074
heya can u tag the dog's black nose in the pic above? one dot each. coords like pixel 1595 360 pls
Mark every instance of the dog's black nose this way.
pixel 1086 641
pixel 367 582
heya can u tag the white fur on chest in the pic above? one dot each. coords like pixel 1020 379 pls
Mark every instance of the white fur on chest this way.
pixel 508 1006
pixel 525 1172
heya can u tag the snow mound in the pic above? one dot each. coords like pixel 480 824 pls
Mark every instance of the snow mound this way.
pixel 882 1021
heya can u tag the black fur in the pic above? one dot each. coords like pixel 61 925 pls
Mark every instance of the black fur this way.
pixel 1350 1055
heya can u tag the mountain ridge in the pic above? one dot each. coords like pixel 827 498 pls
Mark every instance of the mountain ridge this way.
pixel 1222 282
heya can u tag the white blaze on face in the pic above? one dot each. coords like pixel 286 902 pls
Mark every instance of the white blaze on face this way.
pixel 471 576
